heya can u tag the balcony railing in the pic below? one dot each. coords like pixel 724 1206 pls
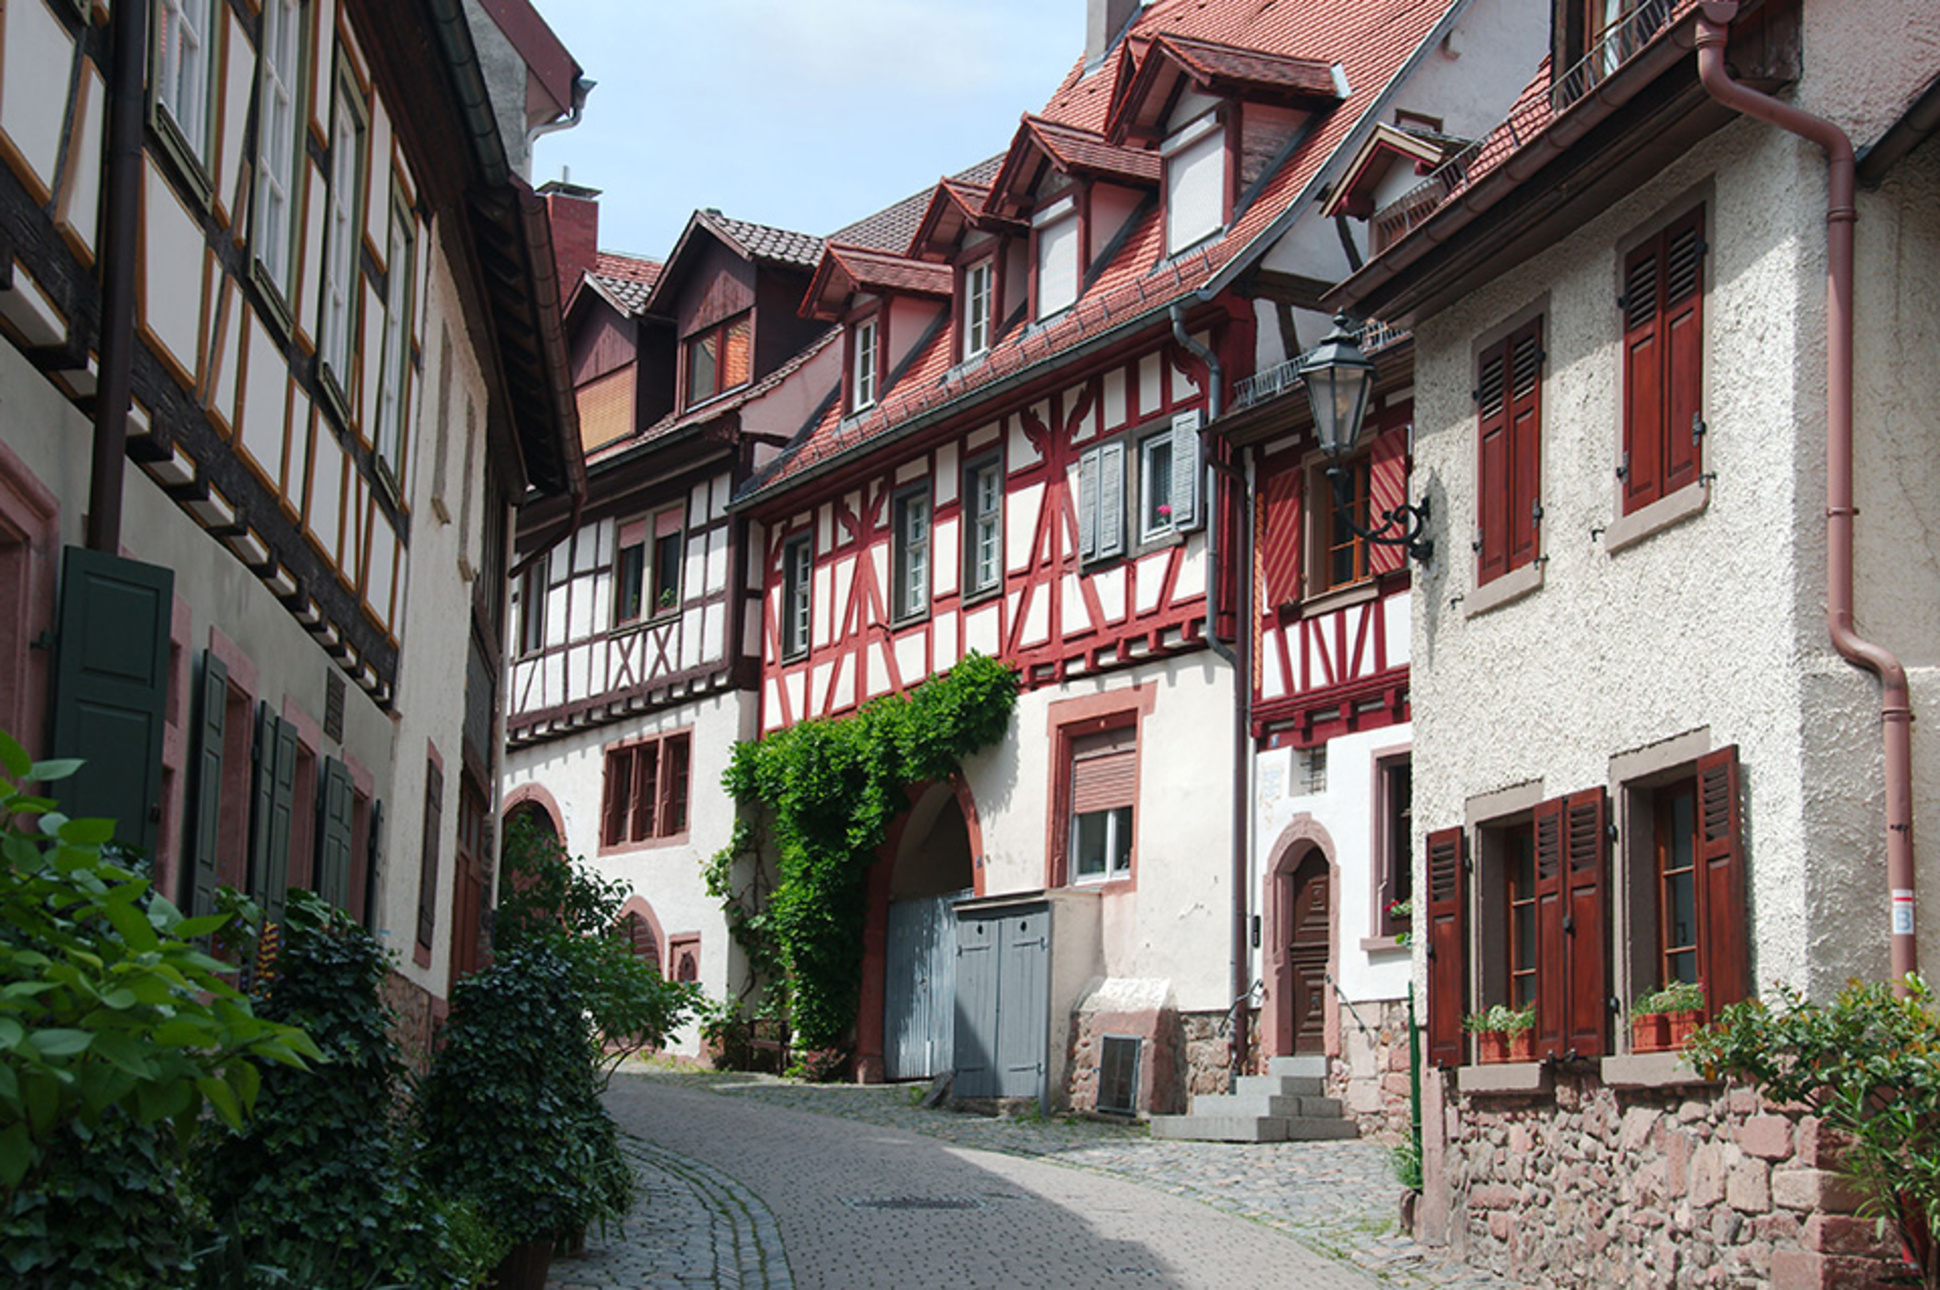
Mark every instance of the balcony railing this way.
pixel 1283 378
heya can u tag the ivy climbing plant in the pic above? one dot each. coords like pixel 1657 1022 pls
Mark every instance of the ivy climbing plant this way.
pixel 829 788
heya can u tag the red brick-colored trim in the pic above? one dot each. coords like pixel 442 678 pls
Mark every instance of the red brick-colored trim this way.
pixel 1070 719
pixel 30 517
pixel 678 945
pixel 538 796
pixel 175 747
pixel 662 960
pixel 1302 835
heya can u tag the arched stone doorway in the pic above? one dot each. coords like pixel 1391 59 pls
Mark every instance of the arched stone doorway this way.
pixel 1301 1013
pixel 905 1022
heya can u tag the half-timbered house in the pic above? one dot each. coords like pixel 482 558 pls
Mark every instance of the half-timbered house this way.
pixel 1014 461
pixel 280 320
pixel 1675 407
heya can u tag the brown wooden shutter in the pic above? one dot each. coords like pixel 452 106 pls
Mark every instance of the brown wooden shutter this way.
pixel 1493 464
pixel 1723 960
pixel 1447 944
pixel 1387 489
pixel 1586 879
pixel 613 805
pixel 1104 771
pixel 646 790
pixel 676 753
pixel 1552 950
pixel 1280 507
pixel 1525 441
pixel 1682 330
pixel 1643 394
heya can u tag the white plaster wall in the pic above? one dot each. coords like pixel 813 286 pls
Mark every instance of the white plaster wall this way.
pixel 1346 810
pixel 1713 622
pixel 1175 924
pixel 668 878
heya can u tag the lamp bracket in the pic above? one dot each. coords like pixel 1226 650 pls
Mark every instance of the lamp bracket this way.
pixel 1405 525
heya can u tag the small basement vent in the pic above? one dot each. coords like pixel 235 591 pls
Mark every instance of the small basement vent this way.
pixel 1118 1075
pixel 333 705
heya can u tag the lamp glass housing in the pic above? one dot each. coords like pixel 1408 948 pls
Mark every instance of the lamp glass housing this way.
pixel 1339 380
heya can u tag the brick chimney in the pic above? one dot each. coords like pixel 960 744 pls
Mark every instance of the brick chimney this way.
pixel 575 216
pixel 1104 19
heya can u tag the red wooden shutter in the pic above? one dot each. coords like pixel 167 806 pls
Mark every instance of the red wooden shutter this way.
pixel 1493 463
pixel 1683 343
pixel 1525 441
pixel 1387 489
pixel 1722 954
pixel 646 790
pixel 1643 394
pixel 613 808
pixel 1104 770
pixel 1587 852
pixel 673 786
pixel 1552 942
pixel 1447 944
pixel 1280 505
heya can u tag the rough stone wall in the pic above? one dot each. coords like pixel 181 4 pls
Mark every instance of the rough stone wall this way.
pixel 416 1014
pixel 1686 1186
pixel 1370 1074
pixel 1207 1042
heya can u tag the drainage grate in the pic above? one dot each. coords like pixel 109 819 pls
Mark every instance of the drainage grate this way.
pixel 912 1202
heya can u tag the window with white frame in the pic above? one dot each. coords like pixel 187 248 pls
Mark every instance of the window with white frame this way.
pixel 912 550
pixel 797 577
pixel 1057 257
pixel 1103 789
pixel 389 439
pixel 1168 478
pixel 978 301
pixel 278 136
pixel 983 548
pixel 340 231
pixel 184 71
pixel 862 373
pixel 1195 183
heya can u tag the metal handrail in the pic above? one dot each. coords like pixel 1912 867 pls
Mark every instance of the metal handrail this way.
pixel 1283 378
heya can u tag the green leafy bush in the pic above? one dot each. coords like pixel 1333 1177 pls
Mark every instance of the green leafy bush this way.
pixel 116 1034
pixel 1678 996
pixel 831 789
pixel 1868 1064
pixel 510 1108
pixel 318 1189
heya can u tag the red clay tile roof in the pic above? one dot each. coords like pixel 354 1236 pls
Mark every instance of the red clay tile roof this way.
pixel 951 206
pixel 891 228
pixel 1372 40
pixel 847 269
pixel 626 280
pixel 1237 66
pixel 764 242
pixel 1071 150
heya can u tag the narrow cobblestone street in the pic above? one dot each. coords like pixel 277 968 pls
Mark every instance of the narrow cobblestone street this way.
pixel 750 1181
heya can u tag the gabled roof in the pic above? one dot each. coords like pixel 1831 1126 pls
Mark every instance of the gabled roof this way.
pixel 1069 150
pixel 952 208
pixel 1132 291
pixel 756 243
pixel 1354 192
pixel 892 228
pixel 624 280
pixel 845 270
pixel 1171 59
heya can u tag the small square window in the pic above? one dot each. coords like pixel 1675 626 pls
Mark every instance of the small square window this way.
pixel 666 571
pixel 1155 487
pixel 1101 789
pixel 645 791
pixel 719 359
pixel 862 386
pixel 797 579
pixel 629 573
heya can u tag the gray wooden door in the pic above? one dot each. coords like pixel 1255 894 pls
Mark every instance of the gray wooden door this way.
pixel 1003 1001
pixel 919 996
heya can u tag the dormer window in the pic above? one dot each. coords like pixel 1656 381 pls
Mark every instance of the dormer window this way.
pixel 1195 183
pixel 1055 229
pixel 718 360
pixel 979 299
pixel 862 370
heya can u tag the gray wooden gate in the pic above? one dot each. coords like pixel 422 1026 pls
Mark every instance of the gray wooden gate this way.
pixel 919 994
pixel 1003 1001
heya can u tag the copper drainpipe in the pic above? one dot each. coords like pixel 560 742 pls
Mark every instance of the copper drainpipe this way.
pixel 1895 707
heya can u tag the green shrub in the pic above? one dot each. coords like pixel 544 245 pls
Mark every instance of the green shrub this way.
pixel 1868 1064
pixel 116 1034
pixel 318 1189
pixel 1678 996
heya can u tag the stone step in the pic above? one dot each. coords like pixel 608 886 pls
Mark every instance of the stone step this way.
pixel 1250 1128
pixel 1281 1085
pixel 1296 1067
pixel 1284 1106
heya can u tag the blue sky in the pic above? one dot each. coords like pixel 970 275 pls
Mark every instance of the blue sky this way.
pixel 806 114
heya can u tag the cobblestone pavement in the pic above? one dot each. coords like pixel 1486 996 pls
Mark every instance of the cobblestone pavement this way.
pixel 871 1189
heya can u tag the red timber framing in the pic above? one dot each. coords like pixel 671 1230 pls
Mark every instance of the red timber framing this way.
pixel 1054 617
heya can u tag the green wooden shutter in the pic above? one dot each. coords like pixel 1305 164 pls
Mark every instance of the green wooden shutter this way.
pixel 206 825
pixel 274 802
pixel 373 854
pixel 334 834
pixel 111 689
pixel 434 801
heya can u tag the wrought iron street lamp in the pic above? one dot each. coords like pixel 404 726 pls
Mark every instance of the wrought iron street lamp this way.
pixel 1339 380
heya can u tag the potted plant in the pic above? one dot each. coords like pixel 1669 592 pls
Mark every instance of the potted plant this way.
pixel 1519 1026
pixel 1403 914
pixel 1502 1033
pixel 1661 1020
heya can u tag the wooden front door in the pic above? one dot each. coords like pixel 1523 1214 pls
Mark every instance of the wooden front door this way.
pixel 1307 953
